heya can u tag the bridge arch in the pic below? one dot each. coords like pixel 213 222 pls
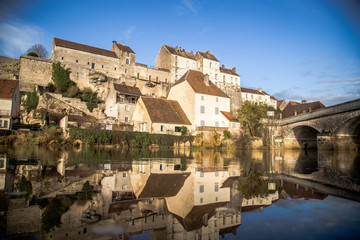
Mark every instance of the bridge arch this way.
pixel 301 137
pixel 347 134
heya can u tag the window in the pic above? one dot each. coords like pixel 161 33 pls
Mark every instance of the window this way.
pixel 162 128
pixel 216 111
pixel 143 127
pixel 124 174
pixel 6 122
pixel 201 200
pixel 157 79
pixel 224 219
pixel 124 187
pixel 127 54
pixel 202 97
pixel 137 75
pixel 217 99
pixel 127 61
pixel 187 64
pixel 215 76
pixel 92 65
pixel 165 80
pixel 88 63
pixel 201 174
pixel 216 187
pixel 125 70
pixel 209 64
pixel 216 174
pixel 202 109
pixel 127 108
pixel 149 77
pixel 102 66
pixel 62 58
pixel 76 61
pixel 216 124
pixel 126 119
pixel 114 68
pixel 216 199
pixel 202 123
pixel 201 188
pixel 177 129
pixel 233 125
pixel 176 70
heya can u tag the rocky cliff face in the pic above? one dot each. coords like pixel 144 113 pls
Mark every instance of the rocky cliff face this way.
pixel 9 68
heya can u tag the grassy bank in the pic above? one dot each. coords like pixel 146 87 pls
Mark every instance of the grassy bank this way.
pixel 53 135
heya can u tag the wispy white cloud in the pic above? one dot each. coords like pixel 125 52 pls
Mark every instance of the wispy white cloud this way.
pixel 128 33
pixel 188 6
pixel 16 38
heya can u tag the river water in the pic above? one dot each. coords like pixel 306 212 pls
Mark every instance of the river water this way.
pixel 106 193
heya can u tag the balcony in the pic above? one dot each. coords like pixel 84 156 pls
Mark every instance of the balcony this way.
pixel 5 112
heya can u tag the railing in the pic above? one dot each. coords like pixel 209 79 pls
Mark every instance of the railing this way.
pixel 5 112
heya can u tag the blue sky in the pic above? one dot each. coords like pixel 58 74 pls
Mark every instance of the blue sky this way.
pixel 294 50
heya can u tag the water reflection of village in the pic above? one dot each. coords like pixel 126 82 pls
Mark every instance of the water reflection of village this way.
pixel 192 196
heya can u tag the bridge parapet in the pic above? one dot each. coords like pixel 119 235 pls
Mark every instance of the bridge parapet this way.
pixel 332 110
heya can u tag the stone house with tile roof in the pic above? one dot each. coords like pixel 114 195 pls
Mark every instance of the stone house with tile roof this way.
pixel 158 115
pixel 201 100
pixel 258 96
pixel 9 103
pixel 295 108
pixel 121 101
pixel 228 77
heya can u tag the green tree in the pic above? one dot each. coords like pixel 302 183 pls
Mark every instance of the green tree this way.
pixel 250 115
pixel 183 130
pixel 252 185
pixel 60 76
pixel 31 102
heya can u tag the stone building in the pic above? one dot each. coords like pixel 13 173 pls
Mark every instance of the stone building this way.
pixel 258 96
pixel 202 101
pixel 295 108
pixel 178 62
pixel 157 115
pixel 9 102
pixel 121 101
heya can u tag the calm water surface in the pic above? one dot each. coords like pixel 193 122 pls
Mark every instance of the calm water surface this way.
pixel 99 193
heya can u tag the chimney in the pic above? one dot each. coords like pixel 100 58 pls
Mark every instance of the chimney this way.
pixel 176 48
pixel 180 49
pixel 223 66
pixel 303 101
pixel 207 80
pixel 207 52
pixel 114 42
pixel 259 89
pixel 233 69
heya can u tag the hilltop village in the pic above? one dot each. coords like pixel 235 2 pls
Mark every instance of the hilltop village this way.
pixel 184 89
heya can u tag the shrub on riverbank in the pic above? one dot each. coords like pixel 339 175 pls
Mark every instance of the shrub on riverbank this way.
pixel 123 138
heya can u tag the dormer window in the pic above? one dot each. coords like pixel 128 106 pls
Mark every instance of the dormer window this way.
pixel 127 61
pixel 127 54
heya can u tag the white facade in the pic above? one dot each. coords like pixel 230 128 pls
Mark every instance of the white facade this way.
pixel 258 96
pixel 181 66
pixel 208 110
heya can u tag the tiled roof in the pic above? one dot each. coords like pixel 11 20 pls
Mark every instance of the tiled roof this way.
pixel 208 55
pixel 196 81
pixel 229 116
pixel 300 108
pixel 228 71
pixel 249 90
pixel 194 219
pixel 124 48
pixel 7 87
pixel 84 48
pixel 165 111
pixel 273 98
pixel 229 182
pixel 163 185
pixel 179 52
pixel 280 102
pixel 127 89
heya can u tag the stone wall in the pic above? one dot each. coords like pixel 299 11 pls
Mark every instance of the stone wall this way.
pixel 34 71
pixel 235 97
pixel 9 68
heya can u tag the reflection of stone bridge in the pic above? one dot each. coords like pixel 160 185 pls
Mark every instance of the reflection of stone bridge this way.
pixel 335 127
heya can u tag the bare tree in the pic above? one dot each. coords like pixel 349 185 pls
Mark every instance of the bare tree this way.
pixel 39 49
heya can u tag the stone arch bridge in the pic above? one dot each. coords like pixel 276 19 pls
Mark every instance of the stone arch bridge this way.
pixel 334 127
